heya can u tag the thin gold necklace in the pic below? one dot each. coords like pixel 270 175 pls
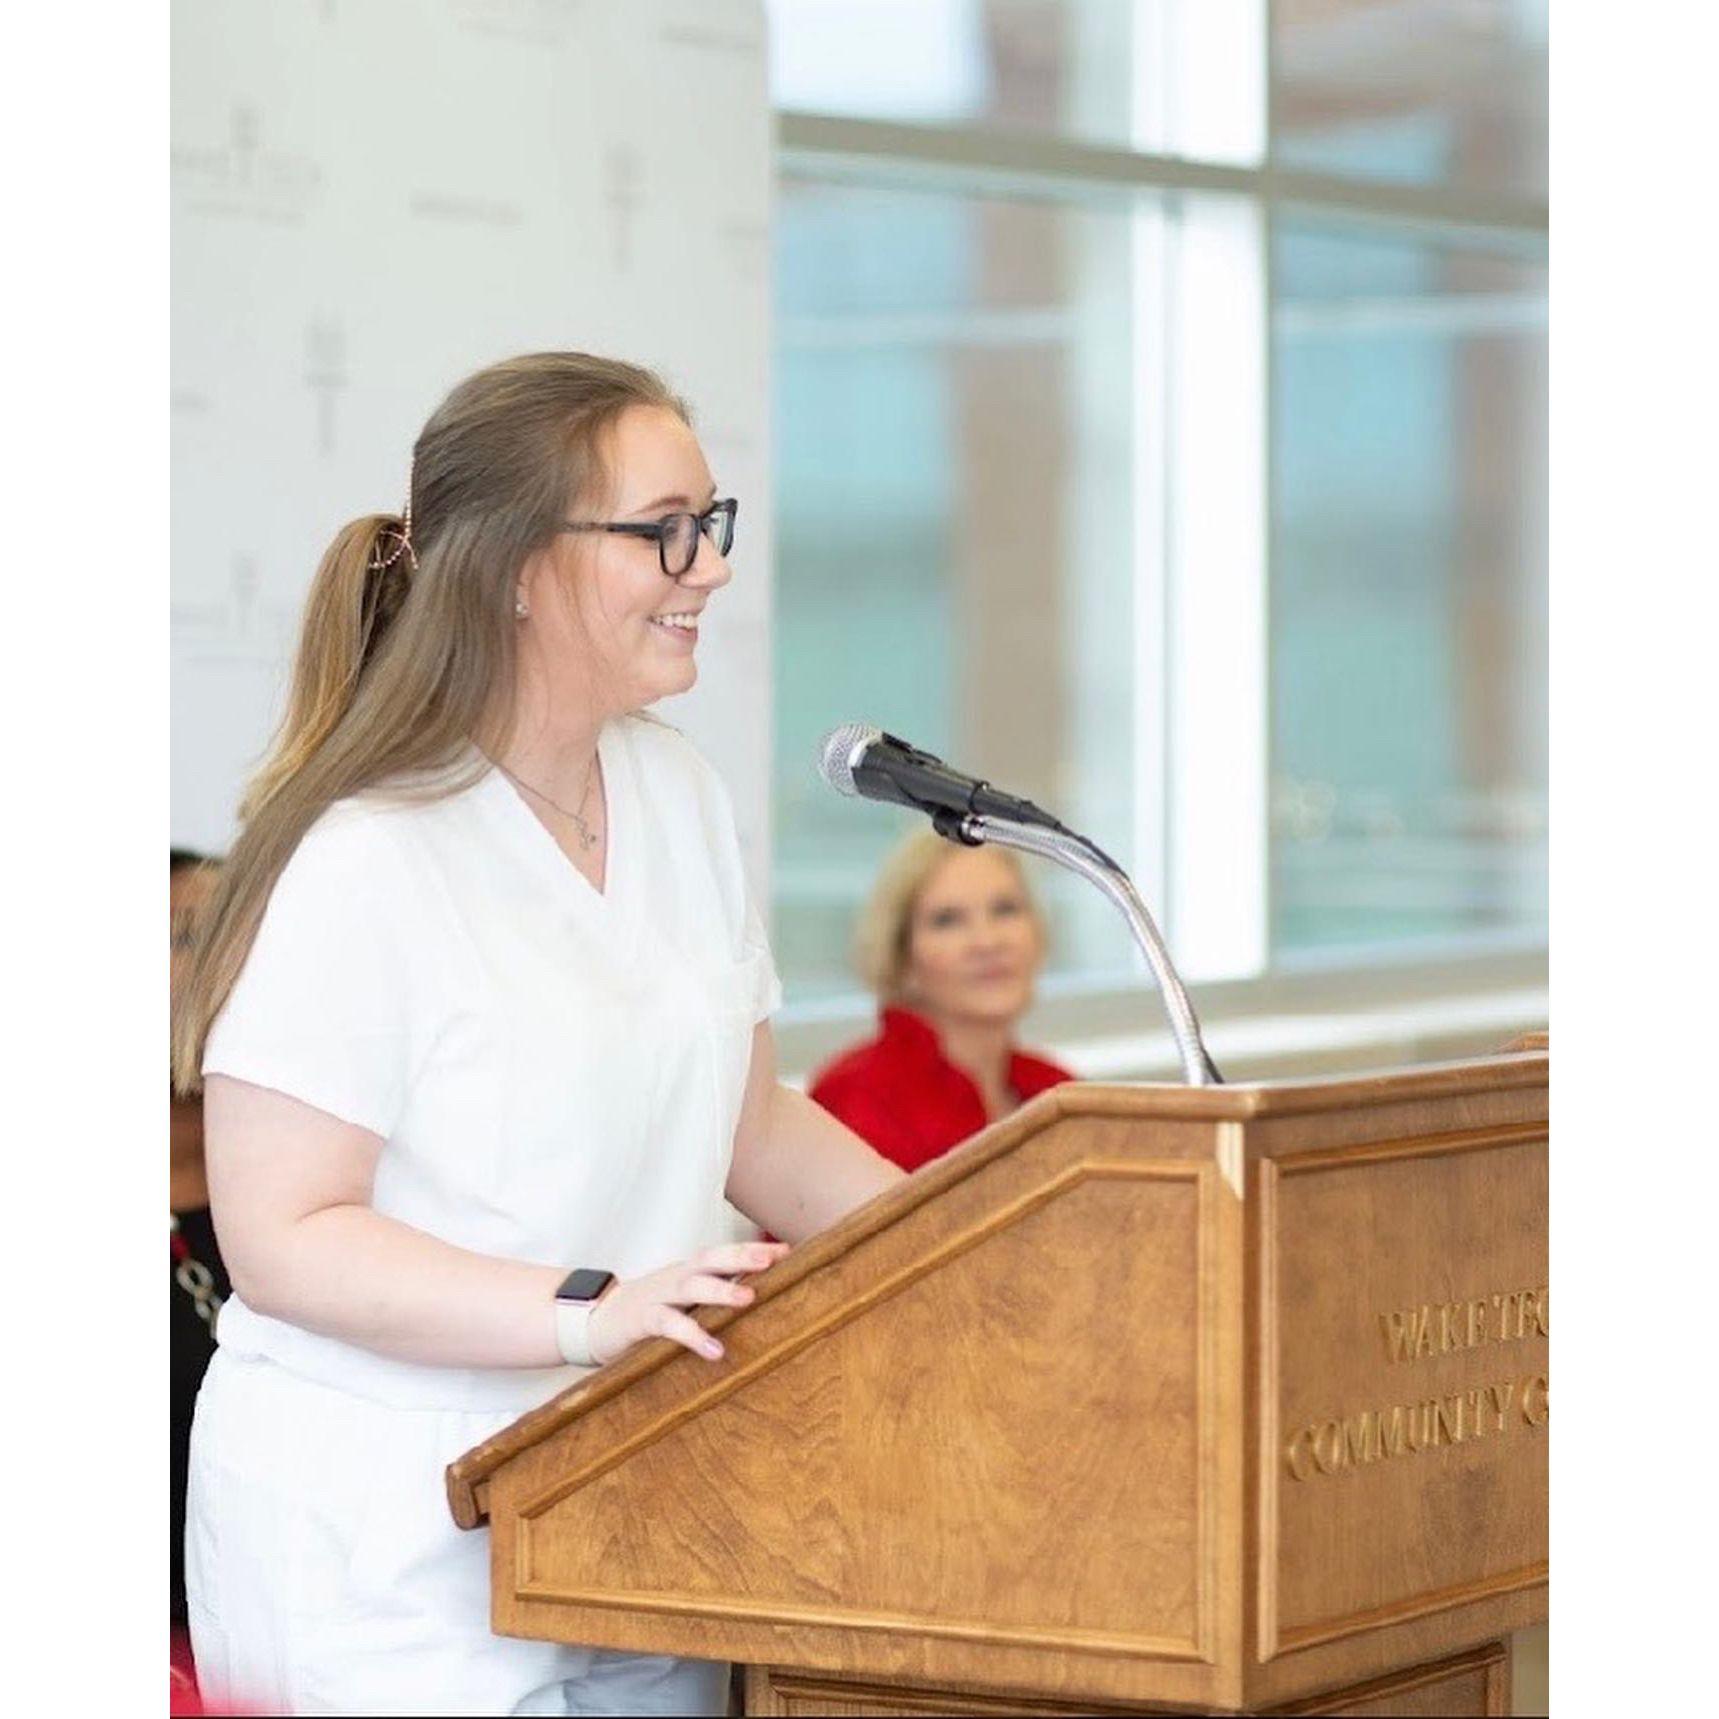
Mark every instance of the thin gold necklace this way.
pixel 587 835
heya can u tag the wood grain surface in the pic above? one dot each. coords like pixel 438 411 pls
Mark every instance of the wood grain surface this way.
pixel 1475 1683
pixel 890 1465
pixel 1147 1396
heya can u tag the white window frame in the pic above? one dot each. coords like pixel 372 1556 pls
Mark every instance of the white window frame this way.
pixel 1203 856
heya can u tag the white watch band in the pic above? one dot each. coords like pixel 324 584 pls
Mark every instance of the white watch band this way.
pixel 573 1332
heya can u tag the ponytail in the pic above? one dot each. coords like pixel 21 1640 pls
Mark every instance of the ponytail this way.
pixel 359 587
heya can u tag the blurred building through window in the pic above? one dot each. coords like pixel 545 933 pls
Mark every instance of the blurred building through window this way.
pixel 1210 516
pixel 1413 91
pixel 955 527
pixel 1019 65
pixel 1408 590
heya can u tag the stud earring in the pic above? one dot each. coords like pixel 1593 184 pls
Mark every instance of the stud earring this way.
pixel 519 608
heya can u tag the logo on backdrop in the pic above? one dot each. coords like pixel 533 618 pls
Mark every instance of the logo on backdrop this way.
pixel 623 174
pixel 694 29
pixel 545 23
pixel 240 626
pixel 244 177
pixel 325 374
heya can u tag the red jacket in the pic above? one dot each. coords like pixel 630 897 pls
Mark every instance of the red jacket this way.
pixel 903 1095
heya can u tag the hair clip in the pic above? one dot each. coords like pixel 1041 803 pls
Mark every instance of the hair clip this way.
pixel 380 563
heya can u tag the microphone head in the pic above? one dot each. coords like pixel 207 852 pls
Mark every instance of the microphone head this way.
pixel 840 750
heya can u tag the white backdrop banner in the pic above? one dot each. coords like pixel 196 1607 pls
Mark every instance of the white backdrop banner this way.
pixel 371 199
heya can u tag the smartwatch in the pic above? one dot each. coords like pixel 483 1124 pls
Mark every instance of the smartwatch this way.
pixel 575 1301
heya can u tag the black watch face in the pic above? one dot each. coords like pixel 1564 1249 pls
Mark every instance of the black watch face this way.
pixel 584 1284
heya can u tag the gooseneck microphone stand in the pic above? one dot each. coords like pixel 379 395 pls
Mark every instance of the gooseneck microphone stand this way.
pixel 1086 860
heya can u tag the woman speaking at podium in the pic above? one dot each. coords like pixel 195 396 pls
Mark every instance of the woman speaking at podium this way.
pixel 481 1012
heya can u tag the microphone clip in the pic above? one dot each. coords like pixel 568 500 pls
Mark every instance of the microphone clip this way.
pixel 955 827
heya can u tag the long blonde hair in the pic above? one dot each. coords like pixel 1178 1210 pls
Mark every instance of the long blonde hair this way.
pixel 883 933
pixel 405 659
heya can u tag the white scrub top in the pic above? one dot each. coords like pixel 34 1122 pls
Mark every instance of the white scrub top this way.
pixel 555 1072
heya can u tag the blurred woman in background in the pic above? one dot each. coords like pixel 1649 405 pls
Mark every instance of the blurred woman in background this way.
pixel 951 943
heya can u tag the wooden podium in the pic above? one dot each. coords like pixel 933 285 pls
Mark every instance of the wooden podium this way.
pixel 1231 1399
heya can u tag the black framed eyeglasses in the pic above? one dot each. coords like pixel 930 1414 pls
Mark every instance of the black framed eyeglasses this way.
pixel 676 534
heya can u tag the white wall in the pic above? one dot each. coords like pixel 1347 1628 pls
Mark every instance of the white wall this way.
pixel 372 198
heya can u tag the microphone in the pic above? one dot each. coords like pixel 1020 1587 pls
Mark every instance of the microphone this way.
pixel 856 759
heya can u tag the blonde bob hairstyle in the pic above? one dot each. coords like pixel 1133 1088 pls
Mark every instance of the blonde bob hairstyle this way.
pixel 883 933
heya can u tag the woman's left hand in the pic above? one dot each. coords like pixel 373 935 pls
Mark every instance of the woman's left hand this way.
pixel 651 1306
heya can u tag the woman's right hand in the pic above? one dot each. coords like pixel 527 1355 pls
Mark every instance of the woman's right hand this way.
pixel 650 1306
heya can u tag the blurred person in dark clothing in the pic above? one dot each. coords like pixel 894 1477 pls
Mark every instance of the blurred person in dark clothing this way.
pixel 198 1279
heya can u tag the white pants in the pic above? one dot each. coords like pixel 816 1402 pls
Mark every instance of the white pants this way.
pixel 324 1574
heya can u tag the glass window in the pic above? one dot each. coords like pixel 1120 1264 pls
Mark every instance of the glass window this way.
pixel 1446 92
pixel 1408 591
pixel 955 544
pixel 1214 524
pixel 1073 68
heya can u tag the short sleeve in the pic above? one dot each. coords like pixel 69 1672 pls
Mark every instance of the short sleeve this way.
pixel 321 1009
pixel 766 982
